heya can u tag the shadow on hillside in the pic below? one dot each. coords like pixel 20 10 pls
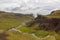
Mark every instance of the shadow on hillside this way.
pixel 3 36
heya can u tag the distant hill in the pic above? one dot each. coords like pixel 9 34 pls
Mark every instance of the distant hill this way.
pixel 54 14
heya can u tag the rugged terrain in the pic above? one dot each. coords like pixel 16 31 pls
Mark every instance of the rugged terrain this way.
pixel 48 22
pixel 18 26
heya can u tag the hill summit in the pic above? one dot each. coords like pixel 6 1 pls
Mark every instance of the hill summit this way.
pixel 54 14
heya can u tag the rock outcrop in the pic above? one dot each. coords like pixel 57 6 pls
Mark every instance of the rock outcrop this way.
pixel 46 23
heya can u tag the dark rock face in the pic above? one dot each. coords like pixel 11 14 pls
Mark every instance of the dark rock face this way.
pixel 47 23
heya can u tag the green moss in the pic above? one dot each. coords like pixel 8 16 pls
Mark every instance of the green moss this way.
pixel 27 29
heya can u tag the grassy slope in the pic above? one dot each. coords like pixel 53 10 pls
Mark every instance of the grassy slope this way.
pixel 8 20
pixel 13 35
pixel 55 14
pixel 41 33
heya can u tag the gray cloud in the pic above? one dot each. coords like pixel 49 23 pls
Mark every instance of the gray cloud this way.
pixel 30 6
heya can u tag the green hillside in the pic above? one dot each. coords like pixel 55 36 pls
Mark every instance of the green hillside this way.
pixel 8 20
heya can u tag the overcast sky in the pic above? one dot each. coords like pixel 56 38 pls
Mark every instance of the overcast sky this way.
pixel 30 6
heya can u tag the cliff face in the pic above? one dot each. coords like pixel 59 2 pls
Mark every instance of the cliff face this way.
pixel 47 23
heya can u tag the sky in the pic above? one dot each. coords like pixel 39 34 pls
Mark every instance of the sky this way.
pixel 30 6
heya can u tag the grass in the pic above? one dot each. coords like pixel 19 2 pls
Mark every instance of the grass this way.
pixel 57 36
pixel 54 15
pixel 13 35
pixel 39 33
pixel 50 38
pixel 27 29
pixel 8 20
pixel 8 23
